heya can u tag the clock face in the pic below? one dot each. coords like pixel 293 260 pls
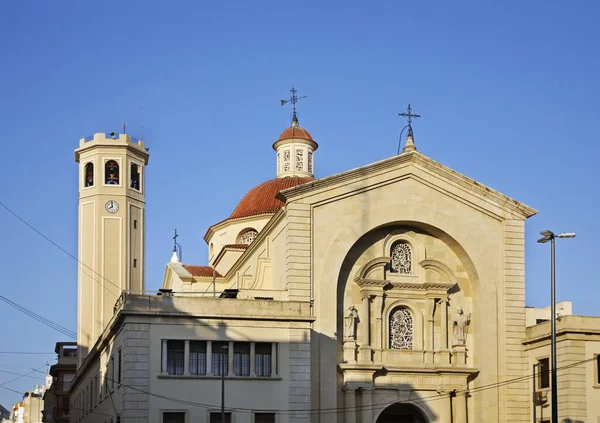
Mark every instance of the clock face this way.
pixel 112 206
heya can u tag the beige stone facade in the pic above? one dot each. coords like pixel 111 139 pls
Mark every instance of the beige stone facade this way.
pixel 577 352
pixel 390 292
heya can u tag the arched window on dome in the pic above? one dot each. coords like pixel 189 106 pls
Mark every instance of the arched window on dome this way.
pixel 111 173
pixel 135 177
pixel 401 329
pixel 247 236
pixel 401 255
pixel 89 175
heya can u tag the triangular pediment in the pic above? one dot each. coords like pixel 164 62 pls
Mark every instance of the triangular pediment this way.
pixel 412 165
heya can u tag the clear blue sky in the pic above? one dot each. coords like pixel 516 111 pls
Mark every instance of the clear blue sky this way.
pixel 508 94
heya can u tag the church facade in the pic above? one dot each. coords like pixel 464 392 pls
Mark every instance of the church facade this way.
pixel 394 292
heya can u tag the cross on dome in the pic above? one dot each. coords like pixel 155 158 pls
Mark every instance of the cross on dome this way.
pixel 293 100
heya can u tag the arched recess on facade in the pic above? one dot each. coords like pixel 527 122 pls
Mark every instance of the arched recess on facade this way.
pixel 384 234
pixel 415 411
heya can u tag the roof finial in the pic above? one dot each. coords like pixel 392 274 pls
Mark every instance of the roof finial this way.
pixel 293 99
pixel 410 142
pixel 176 258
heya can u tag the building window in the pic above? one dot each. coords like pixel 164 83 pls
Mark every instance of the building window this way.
pixel 263 359
pixel 544 372
pixel 111 173
pixel 119 366
pixel 538 321
pixel 220 365
pixel 173 417
pixel 401 329
pixel 89 175
pixel 310 161
pixel 134 224
pixel 401 255
pixel 286 160
pixel 248 236
pixel 264 417
pixel 278 163
pixel 135 177
pixel 598 369
pixel 66 379
pixel 112 371
pixel 198 358
pixel 241 359
pixel 215 417
pixel 299 159
pixel 175 357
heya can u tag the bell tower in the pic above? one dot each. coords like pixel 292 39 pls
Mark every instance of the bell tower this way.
pixel 111 234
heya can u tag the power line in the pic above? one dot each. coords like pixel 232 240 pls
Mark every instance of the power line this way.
pixel 40 319
pixel 33 228
pixel 21 376
pixel 26 352
pixel 56 403
pixel 427 399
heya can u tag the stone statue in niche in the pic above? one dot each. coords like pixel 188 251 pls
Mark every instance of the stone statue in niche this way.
pixel 460 322
pixel 351 319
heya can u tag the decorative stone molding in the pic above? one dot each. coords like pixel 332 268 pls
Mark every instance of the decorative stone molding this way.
pixel 416 252
pixel 440 268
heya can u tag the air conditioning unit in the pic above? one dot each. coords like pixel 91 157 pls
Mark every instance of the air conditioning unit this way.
pixel 541 397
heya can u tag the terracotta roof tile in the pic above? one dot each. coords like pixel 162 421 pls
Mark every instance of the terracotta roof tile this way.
pixel 295 133
pixel 201 271
pixel 237 246
pixel 262 198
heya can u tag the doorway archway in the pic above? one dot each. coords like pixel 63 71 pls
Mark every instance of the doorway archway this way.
pixel 402 413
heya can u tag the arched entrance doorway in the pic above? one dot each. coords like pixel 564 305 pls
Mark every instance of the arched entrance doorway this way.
pixel 402 413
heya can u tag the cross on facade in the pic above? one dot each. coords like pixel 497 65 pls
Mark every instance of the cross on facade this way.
pixel 175 241
pixel 409 114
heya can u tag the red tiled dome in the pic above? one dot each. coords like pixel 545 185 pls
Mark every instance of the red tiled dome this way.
pixel 295 133
pixel 261 199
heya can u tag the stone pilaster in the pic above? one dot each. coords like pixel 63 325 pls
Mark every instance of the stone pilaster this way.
pixel 135 356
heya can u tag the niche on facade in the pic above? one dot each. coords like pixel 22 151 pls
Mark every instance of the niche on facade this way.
pixel 405 251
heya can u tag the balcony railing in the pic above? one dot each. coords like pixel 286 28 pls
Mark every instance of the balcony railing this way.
pixel 61 386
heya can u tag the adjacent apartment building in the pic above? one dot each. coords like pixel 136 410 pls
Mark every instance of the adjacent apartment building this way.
pixel 56 397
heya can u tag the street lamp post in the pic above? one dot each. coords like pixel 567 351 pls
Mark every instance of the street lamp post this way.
pixel 550 236
pixel 222 355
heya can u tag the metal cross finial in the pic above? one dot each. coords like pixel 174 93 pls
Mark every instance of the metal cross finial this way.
pixel 293 99
pixel 175 241
pixel 409 114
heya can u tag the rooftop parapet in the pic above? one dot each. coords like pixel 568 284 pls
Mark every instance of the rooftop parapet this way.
pixel 102 139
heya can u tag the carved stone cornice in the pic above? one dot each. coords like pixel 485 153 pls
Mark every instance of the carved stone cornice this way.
pixel 372 283
pixel 427 286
